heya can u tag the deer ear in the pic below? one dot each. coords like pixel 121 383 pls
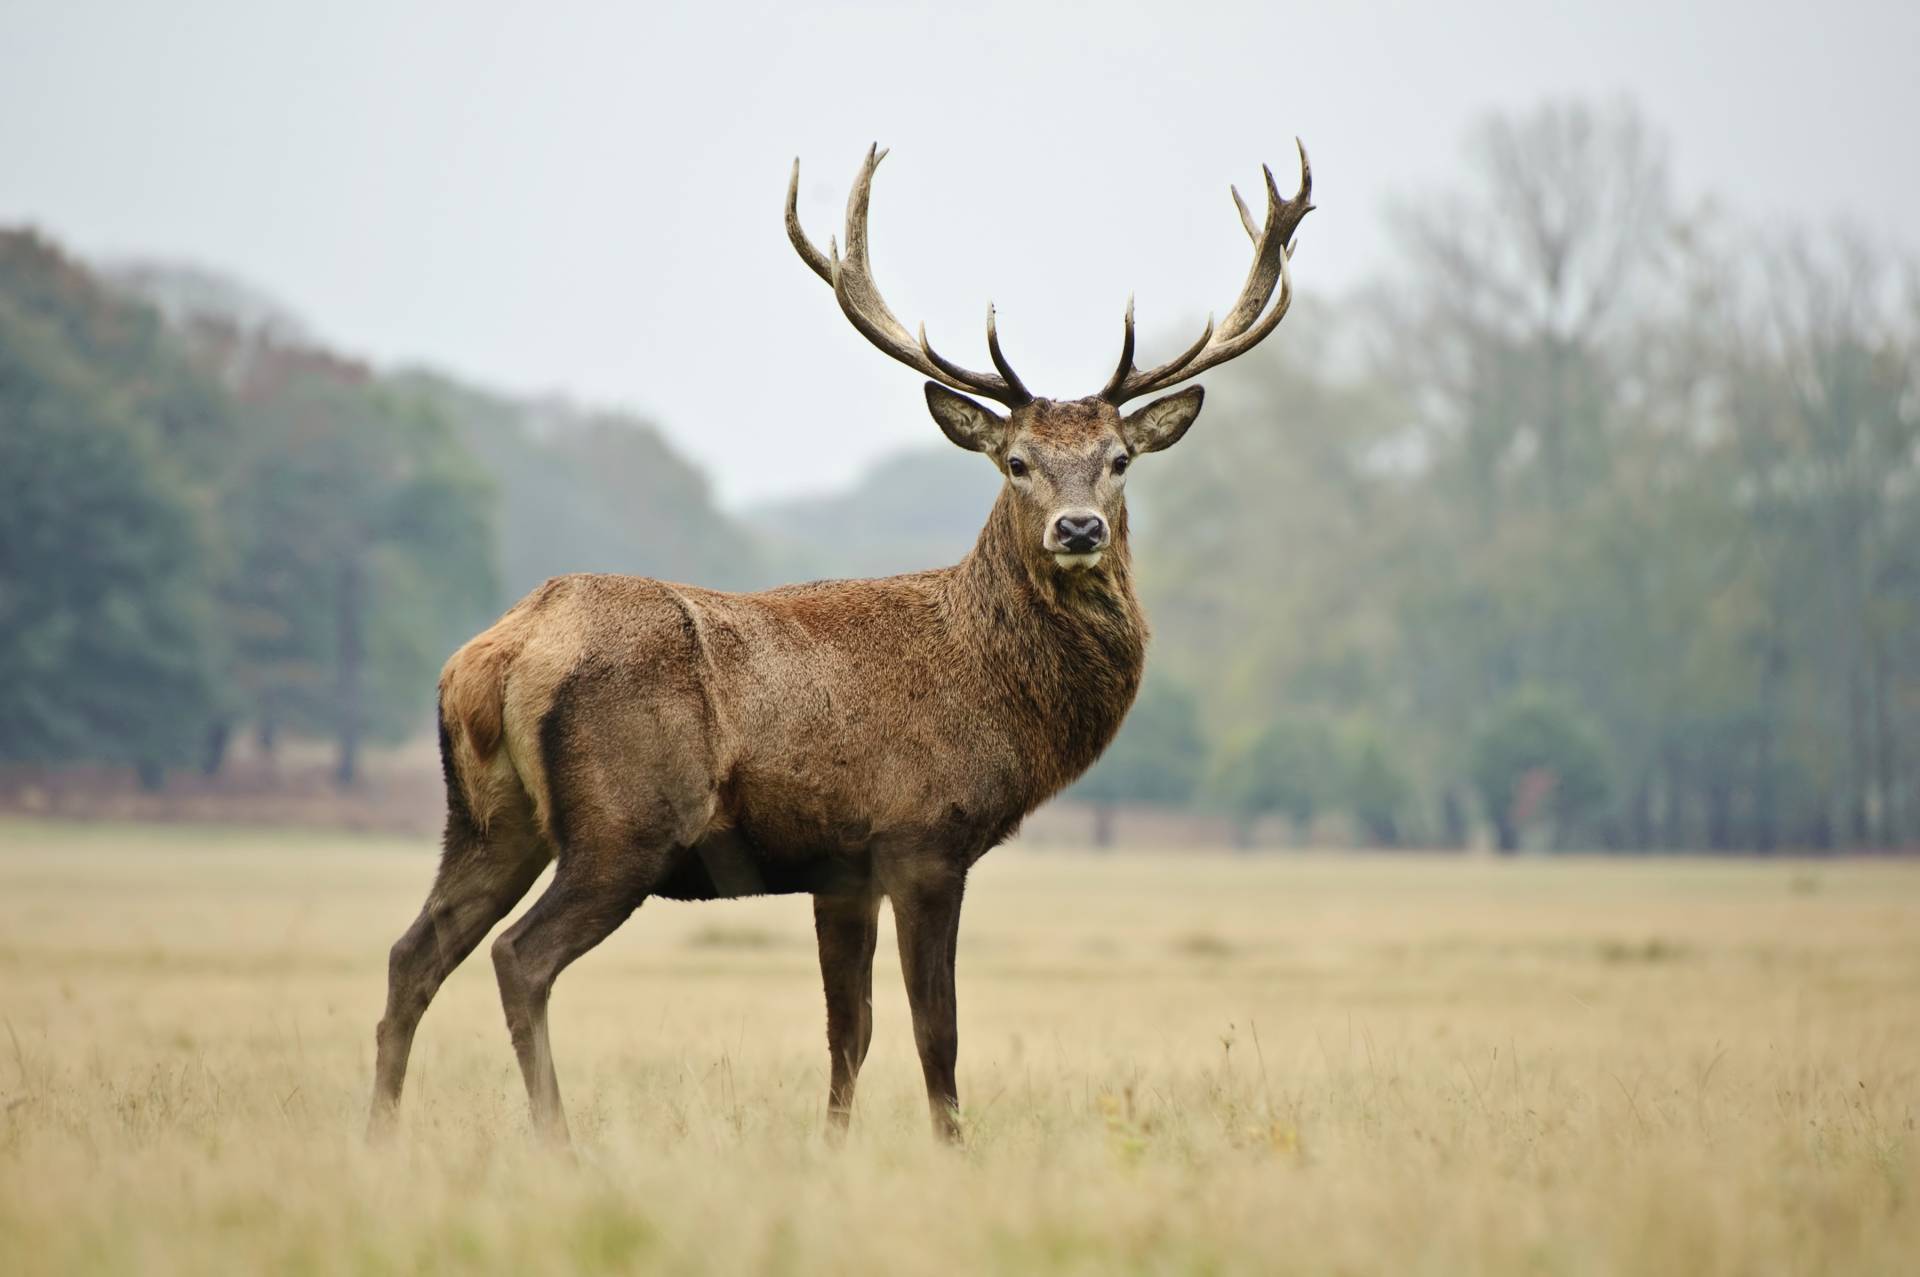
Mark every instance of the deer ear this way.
pixel 1161 423
pixel 964 421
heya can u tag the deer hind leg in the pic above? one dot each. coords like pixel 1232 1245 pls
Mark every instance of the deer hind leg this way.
pixel 579 909
pixel 926 912
pixel 481 877
pixel 847 926
pixel 628 787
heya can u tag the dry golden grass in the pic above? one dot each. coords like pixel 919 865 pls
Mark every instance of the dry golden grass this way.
pixel 1200 1064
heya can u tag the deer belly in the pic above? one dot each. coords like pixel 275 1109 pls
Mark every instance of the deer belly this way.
pixel 727 866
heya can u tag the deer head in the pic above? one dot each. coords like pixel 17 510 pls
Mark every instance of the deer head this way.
pixel 1065 461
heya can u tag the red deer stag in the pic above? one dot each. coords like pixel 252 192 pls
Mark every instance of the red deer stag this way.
pixel 849 739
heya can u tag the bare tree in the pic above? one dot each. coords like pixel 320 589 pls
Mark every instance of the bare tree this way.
pixel 1517 282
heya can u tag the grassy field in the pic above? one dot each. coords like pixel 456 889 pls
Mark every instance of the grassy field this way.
pixel 1274 1064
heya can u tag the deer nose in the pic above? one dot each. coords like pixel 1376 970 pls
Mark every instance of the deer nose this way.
pixel 1080 533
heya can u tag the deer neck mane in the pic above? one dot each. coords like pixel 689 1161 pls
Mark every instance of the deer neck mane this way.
pixel 1062 651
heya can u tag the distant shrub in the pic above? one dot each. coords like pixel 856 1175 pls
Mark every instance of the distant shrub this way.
pixel 1291 768
pixel 1536 762
pixel 1374 788
pixel 1155 759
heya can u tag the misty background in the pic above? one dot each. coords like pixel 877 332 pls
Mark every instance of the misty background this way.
pixel 1574 505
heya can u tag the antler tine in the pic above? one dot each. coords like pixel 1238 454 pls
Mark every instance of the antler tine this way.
pixel 1138 383
pixel 1246 215
pixel 993 353
pixel 1119 377
pixel 859 296
pixel 953 374
pixel 1243 327
pixel 816 260
pixel 1265 271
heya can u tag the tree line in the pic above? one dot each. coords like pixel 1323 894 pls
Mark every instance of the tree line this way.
pixel 212 524
pixel 1595 524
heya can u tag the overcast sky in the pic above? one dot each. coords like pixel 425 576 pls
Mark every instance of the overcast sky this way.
pixel 587 198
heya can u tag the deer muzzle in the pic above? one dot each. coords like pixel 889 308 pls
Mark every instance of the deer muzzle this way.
pixel 1076 538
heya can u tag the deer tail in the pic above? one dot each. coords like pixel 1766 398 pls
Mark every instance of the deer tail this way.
pixel 473 689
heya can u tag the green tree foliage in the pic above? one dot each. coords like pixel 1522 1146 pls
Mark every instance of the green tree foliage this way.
pixel 1375 788
pixel 1816 732
pixel 365 543
pixel 1290 767
pixel 1155 759
pixel 213 523
pixel 1536 762
pixel 1262 537
pixel 913 510
pixel 109 640
pixel 583 491
pixel 1597 522
pixel 1587 442
pixel 1303 767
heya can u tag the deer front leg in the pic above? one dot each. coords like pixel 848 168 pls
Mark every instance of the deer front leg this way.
pixel 926 912
pixel 847 927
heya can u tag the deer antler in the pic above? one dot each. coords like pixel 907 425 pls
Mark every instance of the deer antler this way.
pixel 851 278
pixel 1243 328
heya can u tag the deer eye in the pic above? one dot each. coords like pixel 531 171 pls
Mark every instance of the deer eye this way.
pixel 1016 467
pixel 1120 463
